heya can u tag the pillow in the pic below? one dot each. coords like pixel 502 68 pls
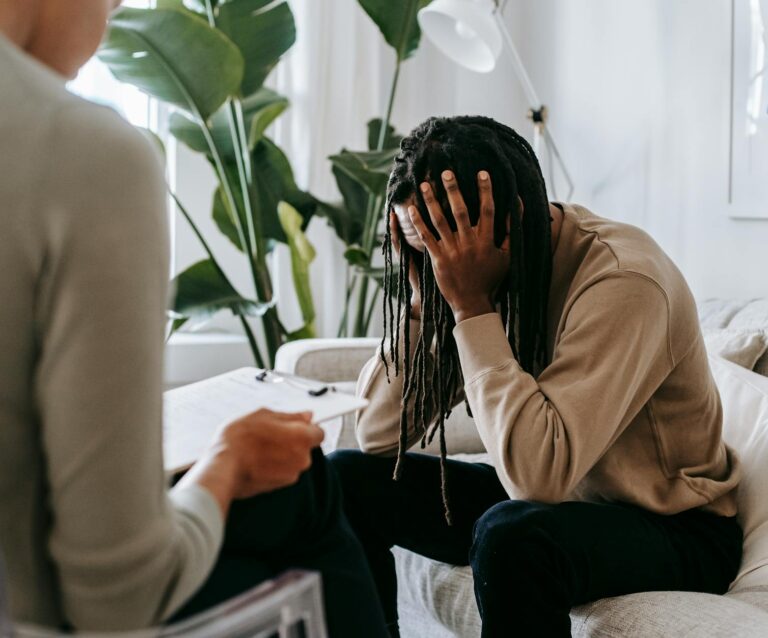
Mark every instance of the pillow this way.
pixel 761 367
pixel 718 313
pixel 742 347
pixel 745 428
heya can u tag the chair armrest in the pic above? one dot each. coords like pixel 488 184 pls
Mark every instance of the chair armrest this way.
pixel 276 607
pixel 329 360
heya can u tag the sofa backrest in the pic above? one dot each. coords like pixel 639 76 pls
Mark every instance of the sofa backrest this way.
pixel 748 317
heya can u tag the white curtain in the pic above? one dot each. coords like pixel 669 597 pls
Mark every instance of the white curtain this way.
pixel 333 77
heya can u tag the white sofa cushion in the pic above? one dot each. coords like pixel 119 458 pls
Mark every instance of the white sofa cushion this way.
pixel 663 614
pixel 436 600
pixel 745 428
pixel 737 314
pixel 742 347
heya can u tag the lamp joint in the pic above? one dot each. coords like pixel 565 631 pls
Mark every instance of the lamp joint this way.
pixel 538 116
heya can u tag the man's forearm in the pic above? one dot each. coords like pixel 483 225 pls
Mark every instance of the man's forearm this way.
pixel 216 474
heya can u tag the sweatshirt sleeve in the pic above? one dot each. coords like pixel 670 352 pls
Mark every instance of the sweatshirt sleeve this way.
pixel 127 552
pixel 378 425
pixel 545 434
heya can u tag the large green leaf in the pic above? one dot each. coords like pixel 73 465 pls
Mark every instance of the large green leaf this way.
pixel 347 225
pixel 174 56
pixel 397 22
pixel 259 111
pixel 272 179
pixel 302 255
pixel 202 290
pixel 370 169
pixel 263 30
pixel 391 138
pixel 223 219
pixel 357 256
pixel 259 120
pixel 273 182
pixel 355 198
pixel 175 323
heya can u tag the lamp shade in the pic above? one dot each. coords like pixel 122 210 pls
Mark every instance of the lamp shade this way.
pixel 464 30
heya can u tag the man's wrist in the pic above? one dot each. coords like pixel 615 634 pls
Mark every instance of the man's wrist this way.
pixel 217 473
pixel 474 308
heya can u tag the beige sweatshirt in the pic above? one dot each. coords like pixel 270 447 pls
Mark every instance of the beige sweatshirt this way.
pixel 89 533
pixel 626 411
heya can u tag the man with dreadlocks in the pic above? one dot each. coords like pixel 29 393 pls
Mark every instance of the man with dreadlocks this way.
pixel 575 342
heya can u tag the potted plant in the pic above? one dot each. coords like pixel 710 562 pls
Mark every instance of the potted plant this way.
pixel 208 60
pixel 362 175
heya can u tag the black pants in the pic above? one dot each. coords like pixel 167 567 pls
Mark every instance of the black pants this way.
pixel 302 526
pixel 531 562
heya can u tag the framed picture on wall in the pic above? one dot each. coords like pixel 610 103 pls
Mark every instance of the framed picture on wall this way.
pixel 748 162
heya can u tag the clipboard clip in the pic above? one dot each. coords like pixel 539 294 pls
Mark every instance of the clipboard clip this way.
pixel 314 390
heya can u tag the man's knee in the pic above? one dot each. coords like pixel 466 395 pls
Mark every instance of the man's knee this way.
pixel 347 463
pixel 507 532
pixel 357 469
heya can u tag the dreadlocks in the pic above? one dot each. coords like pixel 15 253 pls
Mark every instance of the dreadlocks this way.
pixel 465 145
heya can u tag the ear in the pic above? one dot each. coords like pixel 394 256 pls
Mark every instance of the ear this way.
pixel 521 207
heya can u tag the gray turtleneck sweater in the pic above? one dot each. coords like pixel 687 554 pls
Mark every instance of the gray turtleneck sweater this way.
pixel 89 532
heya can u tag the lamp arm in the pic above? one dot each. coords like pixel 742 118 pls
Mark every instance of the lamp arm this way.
pixel 530 92
pixel 533 98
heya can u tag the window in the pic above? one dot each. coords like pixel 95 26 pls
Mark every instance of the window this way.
pixel 96 83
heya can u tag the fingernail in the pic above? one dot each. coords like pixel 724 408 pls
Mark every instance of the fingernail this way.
pixel 483 175
pixel 424 187
pixel 447 176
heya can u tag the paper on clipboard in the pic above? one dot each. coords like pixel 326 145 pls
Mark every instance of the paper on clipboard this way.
pixel 193 413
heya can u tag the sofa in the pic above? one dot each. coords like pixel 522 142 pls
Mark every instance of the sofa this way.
pixel 436 600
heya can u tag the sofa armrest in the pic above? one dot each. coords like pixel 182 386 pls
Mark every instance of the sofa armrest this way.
pixel 340 361
pixel 329 360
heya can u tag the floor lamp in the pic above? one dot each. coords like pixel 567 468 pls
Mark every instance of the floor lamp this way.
pixel 472 33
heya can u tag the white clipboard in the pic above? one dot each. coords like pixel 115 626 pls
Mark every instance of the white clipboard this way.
pixel 193 413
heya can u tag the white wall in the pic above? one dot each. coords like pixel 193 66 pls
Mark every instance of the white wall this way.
pixel 639 96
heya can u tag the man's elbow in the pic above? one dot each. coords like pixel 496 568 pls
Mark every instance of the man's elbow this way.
pixel 541 489
pixel 374 439
pixel 375 445
pixel 127 611
pixel 549 494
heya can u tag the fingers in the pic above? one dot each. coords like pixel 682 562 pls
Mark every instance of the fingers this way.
pixel 458 207
pixel 424 233
pixel 436 215
pixel 485 222
pixel 315 434
pixel 266 413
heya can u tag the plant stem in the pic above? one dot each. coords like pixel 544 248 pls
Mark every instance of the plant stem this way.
pixel 252 341
pixel 372 217
pixel 196 230
pixel 255 350
pixel 256 248
pixel 240 160
pixel 362 299
pixel 371 309
pixel 343 327
pixel 390 106
pixel 257 251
